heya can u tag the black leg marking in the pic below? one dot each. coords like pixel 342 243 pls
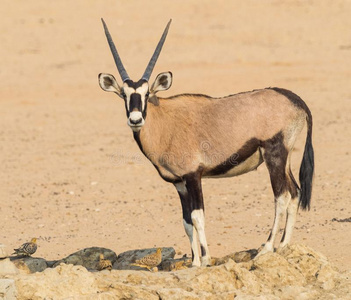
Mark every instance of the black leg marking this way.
pixel 293 187
pixel 203 251
pixel 193 185
pixel 283 237
pixel 186 207
pixel 276 157
pixel 270 236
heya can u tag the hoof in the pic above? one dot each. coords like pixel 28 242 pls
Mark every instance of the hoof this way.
pixel 206 261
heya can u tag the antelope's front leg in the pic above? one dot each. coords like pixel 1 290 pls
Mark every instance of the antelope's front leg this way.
pixel 193 186
pixel 198 219
pixel 194 207
pixel 188 223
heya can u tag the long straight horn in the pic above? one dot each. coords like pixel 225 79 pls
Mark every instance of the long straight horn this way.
pixel 154 57
pixel 122 71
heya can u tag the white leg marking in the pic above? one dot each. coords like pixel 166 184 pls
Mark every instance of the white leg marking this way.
pixel 281 204
pixel 189 229
pixel 198 219
pixel 290 221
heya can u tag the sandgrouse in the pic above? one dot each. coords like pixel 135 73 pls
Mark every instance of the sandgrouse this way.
pixel 27 249
pixel 150 261
pixel 103 264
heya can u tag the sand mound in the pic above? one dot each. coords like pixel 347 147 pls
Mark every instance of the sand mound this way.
pixel 295 272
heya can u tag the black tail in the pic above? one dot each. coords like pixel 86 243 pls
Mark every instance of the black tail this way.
pixel 307 167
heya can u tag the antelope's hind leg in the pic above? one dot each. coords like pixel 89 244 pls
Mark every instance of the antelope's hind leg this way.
pixel 276 158
pixel 291 211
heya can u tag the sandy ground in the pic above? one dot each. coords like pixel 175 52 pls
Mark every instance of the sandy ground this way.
pixel 71 172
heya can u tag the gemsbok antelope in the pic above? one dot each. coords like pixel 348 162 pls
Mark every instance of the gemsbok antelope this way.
pixel 190 136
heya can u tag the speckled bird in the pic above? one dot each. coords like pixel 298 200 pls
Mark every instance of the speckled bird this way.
pixel 27 249
pixel 150 261
pixel 103 264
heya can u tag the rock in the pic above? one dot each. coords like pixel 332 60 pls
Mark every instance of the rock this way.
pixel 87 257
pixel 29 264
pixel 176 293
pixel 242 256
pixel 295 272
pixel 126 258
pixel 312 264
pixel 7 267
pixel 62 282
pixel 3 251
pixel 170 264
pixel 7 289
pixel 273 269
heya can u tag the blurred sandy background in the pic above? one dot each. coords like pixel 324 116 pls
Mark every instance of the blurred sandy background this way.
pixel 71 173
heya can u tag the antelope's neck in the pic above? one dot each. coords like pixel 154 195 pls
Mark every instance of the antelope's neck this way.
pixel 149 138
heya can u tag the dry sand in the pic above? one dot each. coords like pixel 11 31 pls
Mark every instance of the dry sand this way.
pixel 71 172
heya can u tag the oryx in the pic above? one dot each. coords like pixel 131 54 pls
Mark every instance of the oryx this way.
pixel 190 136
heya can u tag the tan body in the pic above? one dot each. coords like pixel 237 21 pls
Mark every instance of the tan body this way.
pixel 186 132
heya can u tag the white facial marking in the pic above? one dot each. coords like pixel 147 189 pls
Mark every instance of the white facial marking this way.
pixel 128 91
pixel 135 116
pixel 142 91
pixel 135 120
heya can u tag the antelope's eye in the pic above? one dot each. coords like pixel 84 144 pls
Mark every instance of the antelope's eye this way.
pixel 123 94
pixel 147 95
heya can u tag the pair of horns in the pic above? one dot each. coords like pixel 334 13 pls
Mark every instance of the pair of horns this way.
pixel 122 71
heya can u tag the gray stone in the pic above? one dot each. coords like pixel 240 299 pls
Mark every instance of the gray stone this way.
pixel 29 264
pixel 7 289
pixel 125 259
pixel 238 257
pixel 87 257
pixel 170 264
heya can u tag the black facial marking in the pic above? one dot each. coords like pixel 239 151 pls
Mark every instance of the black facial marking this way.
pixel 135 85
pixel 144 112
pixel 135 102
pixel 249 148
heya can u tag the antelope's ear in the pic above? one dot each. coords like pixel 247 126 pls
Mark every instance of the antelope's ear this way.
pixel 109 84
pixel 162 82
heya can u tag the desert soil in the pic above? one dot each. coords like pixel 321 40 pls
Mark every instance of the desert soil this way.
pixel 73 176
